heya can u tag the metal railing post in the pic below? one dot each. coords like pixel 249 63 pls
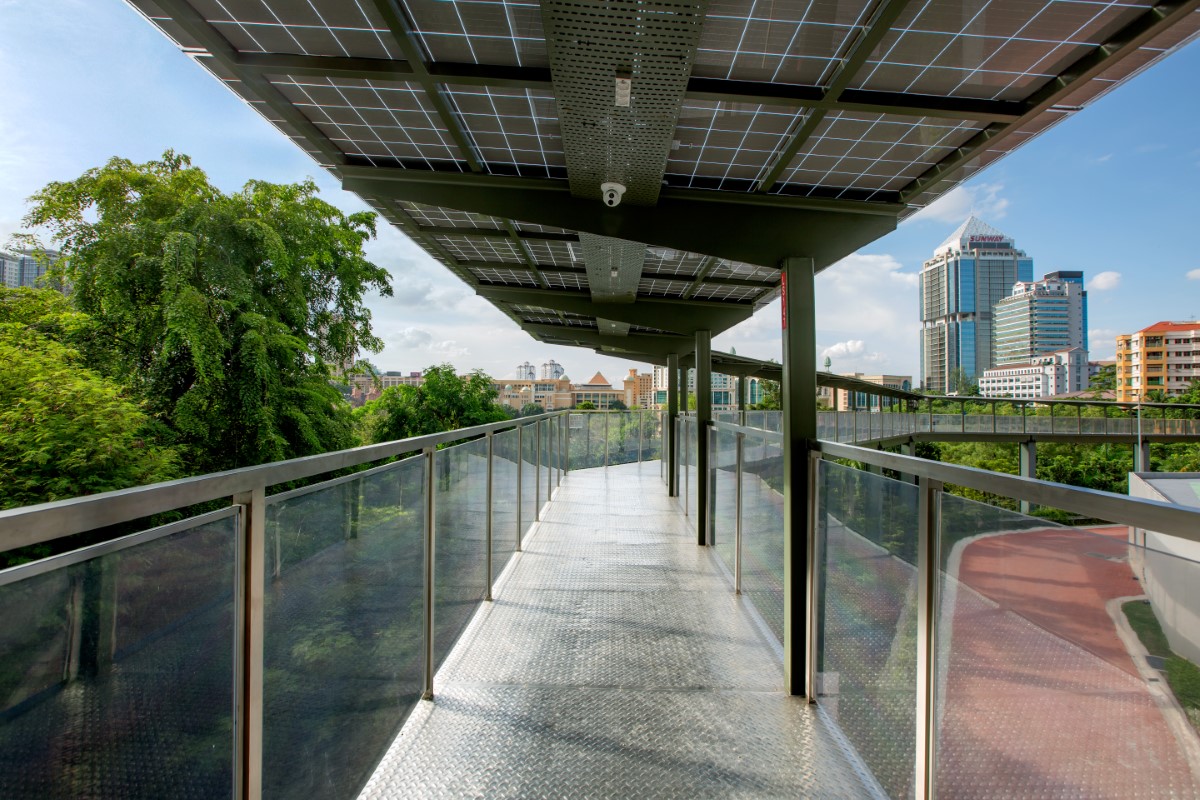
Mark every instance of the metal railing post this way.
pixel 737 515
pixel 430 455
pixel 488 526
pixel 640 420
pixel 520 480
pixel 683 465
pixel 549 463
pixel 606 415
pixel 567 445
pixel 248 671
pixel 812 642
pixel 537 471
pixel 928 569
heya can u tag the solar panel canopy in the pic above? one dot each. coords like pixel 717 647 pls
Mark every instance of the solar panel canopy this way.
pixel 736 133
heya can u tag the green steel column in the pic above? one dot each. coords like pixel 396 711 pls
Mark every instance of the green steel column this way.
pixel 799 399
pixel 672 453
pixel 743 397
pixel 1028 462
pixel 703 422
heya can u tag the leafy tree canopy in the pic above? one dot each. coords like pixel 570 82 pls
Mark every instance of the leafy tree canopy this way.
pixel 65 430
pixel 444 401
pixel 532 410
pixel 586 405
pixel 227 314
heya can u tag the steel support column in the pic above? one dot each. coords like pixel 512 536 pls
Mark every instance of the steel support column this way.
pixel 799 398
pixel 743 397
pixel 669 429
pixel 1028 459
pixel 703 423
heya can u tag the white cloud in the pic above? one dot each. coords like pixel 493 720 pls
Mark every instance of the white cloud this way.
pixel 983 200
pixel 850 347
pixel 1193 275
pixel 851 356
pixel 1103 281
pixel 412 338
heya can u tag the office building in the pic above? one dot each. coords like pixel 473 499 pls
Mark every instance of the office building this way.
pixel 1164 357
pixel 969 273
pixel 1039 317
pixel 1045 375
pixel 25 268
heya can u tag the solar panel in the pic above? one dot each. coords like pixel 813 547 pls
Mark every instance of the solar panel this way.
pixel 833 113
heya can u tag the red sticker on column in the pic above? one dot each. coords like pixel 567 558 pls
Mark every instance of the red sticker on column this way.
pixel 783 297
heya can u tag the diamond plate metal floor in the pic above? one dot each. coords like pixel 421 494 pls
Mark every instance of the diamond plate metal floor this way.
pixel 615 662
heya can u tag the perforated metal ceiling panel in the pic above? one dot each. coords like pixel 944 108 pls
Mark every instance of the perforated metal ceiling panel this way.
pixel 649 44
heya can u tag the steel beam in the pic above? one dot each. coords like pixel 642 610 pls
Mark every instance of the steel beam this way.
pixel 712 90
pixel 799 437
pixel 497 233
pixel 677 316
pixel 754 228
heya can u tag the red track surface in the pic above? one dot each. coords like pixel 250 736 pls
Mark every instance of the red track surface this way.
pixel 1042 699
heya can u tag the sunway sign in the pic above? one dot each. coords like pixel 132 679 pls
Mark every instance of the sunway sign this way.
pixel 987 239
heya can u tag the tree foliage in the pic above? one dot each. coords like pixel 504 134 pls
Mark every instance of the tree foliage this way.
pixel 226 314
pixel 64 429
pixel 444 401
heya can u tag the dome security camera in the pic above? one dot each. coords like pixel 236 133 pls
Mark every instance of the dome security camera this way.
pixel 612 193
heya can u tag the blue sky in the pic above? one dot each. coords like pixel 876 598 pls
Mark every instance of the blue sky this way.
pixel 1109 191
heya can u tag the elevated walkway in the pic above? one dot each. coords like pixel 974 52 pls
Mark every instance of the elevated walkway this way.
pixel 615 661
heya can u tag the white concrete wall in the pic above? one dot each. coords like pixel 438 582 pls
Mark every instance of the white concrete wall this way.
pixel 1170 574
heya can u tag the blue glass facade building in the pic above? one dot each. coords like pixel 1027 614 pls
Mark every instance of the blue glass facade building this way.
pixel 969 273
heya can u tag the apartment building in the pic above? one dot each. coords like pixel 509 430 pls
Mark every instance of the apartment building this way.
pixel 1163 357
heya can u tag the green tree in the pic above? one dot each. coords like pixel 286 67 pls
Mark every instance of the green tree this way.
pixel 586 405
pixel 226 314
pixel 1104 379
pixel 444 401
pixel 65 430
pixel 532 410
pixel 770 397
pixel 963 384
pixel 617 405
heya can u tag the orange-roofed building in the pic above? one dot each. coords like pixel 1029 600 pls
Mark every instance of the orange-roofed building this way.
pixel 1163 357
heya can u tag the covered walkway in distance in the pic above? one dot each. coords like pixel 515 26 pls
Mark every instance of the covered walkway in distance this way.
pixel 615 661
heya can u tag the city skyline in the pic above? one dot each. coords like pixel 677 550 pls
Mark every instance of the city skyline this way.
pixel 1105 192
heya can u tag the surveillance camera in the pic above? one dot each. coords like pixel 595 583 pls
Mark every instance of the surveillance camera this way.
pixel 612 193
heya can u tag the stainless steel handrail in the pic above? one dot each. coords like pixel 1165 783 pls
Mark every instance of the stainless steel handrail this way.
pixel 44 522
pixel 1152 515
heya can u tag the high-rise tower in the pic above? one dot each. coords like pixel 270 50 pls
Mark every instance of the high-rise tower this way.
pixel 970 272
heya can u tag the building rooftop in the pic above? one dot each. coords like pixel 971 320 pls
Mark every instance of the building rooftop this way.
pixel 973 233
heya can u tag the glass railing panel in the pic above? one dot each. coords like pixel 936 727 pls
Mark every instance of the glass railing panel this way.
pixel 651 424
pixel 460 567
pixel 691 478
pixel 1054 675
pixel 623 437
pixel 117 675
pixel 723 460
pixel 947 422
pixel 342 641
pixel 762 529
pixel 529 474
pixel 867 530
pixel 504 499
pixel 546 454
